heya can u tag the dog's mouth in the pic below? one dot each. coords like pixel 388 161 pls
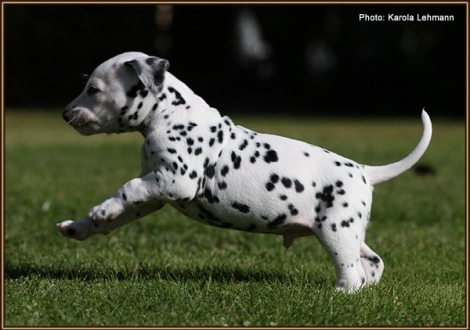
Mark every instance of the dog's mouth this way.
pixel 81 123
pixel 87 128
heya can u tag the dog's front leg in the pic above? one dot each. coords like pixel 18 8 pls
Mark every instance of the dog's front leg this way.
pixel 83 229
pixel 130 196
pixel 133 200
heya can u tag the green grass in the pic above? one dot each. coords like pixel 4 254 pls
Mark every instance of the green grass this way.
pixel 170 271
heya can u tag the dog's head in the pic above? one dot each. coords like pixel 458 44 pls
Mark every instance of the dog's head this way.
pixel 115 94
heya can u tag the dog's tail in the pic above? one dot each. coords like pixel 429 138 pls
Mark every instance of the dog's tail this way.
pixel 378 174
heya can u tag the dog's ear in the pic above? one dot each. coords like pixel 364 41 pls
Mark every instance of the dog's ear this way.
pixel 151 71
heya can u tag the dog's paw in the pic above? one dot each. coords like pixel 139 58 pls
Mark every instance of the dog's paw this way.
pixel 79 230
pixel 106 211
pixel 348 286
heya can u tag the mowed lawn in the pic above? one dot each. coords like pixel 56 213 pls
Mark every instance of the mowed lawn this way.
pixel 167 270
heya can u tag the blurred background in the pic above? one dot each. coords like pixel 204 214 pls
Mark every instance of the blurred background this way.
pixel 304 59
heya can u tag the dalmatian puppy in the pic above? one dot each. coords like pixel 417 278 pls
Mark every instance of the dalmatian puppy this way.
pixel 225 175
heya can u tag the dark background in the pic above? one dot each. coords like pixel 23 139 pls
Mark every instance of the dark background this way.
pixel 314 59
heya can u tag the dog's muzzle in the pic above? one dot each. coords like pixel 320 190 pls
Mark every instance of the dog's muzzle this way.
pixel 82 121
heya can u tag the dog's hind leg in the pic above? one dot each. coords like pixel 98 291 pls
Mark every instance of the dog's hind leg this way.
pixel 343 247
pixel 372 264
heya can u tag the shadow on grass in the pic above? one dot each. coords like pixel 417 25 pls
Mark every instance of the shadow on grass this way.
pixel 221 274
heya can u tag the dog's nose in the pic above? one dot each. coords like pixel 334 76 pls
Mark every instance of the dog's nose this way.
pixel 65 115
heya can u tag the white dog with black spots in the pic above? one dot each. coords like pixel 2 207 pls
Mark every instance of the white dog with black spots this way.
pixel 225 175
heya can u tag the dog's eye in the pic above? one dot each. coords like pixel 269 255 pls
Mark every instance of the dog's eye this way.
pixel 92 90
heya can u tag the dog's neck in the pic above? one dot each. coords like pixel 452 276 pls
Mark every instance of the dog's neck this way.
pixel 174 96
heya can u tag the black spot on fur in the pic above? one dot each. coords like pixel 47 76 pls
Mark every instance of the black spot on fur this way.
pixel 279 220
pixel 270 157
pixel 298 186
pixel 326 195
pixel 207 214
pixel 177 127
pixel 374 259
pixel 132 93
pixel 220 136
pixel 274 178
pixel 210 197
pixel 292 209
pixel 178 98
pixel 236 160
pixel 241 207
pixel 243 145
pixel 270 186
pixel 286 182
pixel 210 171
pixel 224 171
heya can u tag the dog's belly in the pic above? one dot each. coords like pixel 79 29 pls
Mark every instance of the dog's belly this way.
pixel 223 217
